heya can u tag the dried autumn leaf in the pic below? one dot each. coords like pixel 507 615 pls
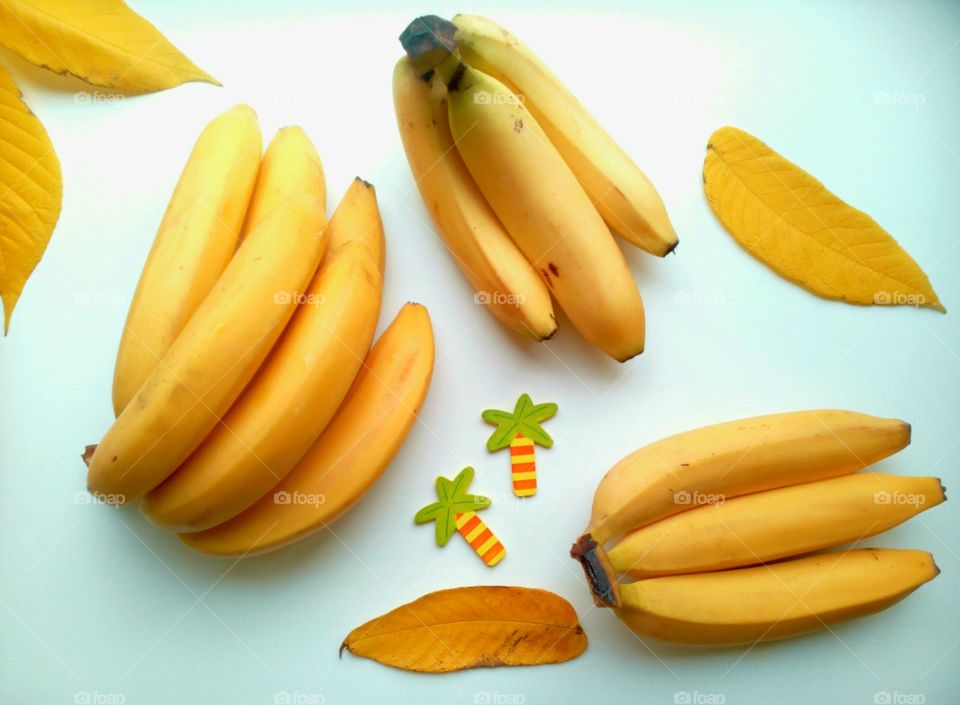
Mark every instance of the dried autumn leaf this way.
pixel 471 627
pixel 789 221
pixel 103 42
pixel 30 193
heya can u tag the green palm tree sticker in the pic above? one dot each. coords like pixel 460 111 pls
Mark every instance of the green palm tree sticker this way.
pixel 521 430
pixel 457 510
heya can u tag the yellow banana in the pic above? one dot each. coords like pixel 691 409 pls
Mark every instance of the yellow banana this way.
pixel 299 387
pixel 290 166
pixel 546 212
pixel 351 453
pixel 214 356
pixel 196 239
pixel 773 601
pixel 491 262
pixel 622 193
pixel 766 526
pixel 726 460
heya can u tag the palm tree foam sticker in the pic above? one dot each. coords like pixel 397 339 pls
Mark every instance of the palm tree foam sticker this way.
pixel 521 430
pixel 457 511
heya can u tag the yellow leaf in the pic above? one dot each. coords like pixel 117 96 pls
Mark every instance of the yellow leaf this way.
pixel 789 221
pixel 30 193
pixel 103 42
pixel 470 627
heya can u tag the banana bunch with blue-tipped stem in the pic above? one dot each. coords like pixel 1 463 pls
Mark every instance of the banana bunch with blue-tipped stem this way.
pixel 712 536
pixel 251 409
pixel 524 184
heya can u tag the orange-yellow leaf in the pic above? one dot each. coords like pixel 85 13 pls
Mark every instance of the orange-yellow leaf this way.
pixel 471 627
pixel 789 221
pixel 103 42
pixel 30 193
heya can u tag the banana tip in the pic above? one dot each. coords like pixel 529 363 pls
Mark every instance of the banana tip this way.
pixel 87 454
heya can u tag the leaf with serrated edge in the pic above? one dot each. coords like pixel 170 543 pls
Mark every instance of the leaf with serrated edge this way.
pixel 789 221
pixel 103 42
pixel 470 627
pixel 31 191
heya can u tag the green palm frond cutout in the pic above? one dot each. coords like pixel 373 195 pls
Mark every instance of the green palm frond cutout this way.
pixel 526 419
pixel 453 500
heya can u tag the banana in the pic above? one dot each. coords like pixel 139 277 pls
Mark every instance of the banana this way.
pixel 546 212
pixel 766 526
pixel 726 460
pixel 194 243
pixel 351 453
pixel 290 166
pixel 483 250
pixel 623 195
pixel 214 356
pixel 299 387
pixel 773 601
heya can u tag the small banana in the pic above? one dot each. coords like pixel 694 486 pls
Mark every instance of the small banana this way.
pixel 214 356
pixel 727 460
pixel 194 243
pixel 622 193
pixel 351 453
pixel 767 526
pixel 488 258
pixel 767 602
pixel 299 387
pixel 546 211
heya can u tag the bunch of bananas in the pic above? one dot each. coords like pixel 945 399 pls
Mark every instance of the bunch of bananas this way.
pixel 251 409
pixel 702 520
pixel 523 184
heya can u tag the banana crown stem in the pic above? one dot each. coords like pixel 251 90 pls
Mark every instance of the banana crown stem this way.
pixel 599 571
pixel 428 40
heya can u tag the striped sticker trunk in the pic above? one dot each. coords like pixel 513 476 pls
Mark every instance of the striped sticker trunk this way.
pixel 523 465
pixel 480 538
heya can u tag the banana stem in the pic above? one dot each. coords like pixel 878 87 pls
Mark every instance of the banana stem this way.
pixel 428 40
pixel 600 574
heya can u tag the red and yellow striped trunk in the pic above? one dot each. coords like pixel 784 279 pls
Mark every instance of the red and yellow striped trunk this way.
pixel 523 464
pixel 480 538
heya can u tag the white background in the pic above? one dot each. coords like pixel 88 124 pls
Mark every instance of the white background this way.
pixel 864 96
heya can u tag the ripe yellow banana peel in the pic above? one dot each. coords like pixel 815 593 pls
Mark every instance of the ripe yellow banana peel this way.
pixel 773 601
pixel 351 453
pixel 195 241
pixel 723 461
pixel 298 388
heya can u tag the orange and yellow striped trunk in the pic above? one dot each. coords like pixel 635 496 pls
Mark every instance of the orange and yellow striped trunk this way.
pixel 523 465
pixel 480 538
